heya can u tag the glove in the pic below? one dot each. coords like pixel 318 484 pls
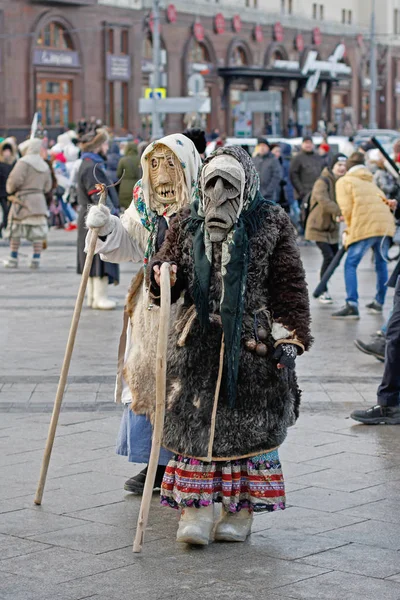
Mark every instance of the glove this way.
pixel 285 355
pixel 99 217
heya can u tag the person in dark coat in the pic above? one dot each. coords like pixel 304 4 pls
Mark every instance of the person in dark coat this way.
pixel 198 137
pixel 268 169
pixel 129 170
pixel 245 318
pixel 94 147
pixel 387 409
pixel 305 169
pixel 8 157
pixel 281 199
pixel 113 158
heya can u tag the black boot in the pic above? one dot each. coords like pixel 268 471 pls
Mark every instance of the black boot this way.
pixel 136 484
pixel 376 347
pixel 378 415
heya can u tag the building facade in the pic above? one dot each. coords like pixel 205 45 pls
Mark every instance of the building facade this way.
pixel 69 59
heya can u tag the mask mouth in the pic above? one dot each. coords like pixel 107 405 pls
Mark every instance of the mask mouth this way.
pixel 166 192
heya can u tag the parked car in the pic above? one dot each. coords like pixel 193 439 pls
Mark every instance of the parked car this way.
pixel 386 137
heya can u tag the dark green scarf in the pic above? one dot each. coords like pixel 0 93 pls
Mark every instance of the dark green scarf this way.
pixel 234 283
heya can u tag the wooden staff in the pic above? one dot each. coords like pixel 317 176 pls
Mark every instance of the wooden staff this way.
pixel 161 386
pixel 102 190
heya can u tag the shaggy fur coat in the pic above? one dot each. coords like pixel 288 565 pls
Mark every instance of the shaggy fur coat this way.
pixel 267 398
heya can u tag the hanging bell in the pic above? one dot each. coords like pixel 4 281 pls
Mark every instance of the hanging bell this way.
pixel 261 349
pixel 251 345
pixel 262 334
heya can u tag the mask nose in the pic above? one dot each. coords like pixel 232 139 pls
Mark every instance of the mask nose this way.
pixel 219 189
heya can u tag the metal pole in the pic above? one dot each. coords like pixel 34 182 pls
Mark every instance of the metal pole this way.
pixel 156 126
pixel 373 72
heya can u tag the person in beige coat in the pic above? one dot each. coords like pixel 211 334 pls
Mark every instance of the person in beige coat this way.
pixel 324 216
pixel 370 224
pixel 27 185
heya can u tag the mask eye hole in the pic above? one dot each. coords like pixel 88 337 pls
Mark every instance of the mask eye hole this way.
pixel 171 162
pixel 154 163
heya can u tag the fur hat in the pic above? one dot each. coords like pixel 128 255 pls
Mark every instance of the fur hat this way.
pixel 356 159
pixel 91 141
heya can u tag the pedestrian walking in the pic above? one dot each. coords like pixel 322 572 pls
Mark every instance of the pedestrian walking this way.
pixel 129 170
pixel 324 152
pixel 28 183
pixel 387 409
pixel 113 158
pixel 370 224
pixel 305 169
pixel 282 198
pixel 94 146
pixel 322 224
pixel 268 170
pixel 8 157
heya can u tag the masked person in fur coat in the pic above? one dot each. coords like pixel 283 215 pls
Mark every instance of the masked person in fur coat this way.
pixel 245 314
pixel 171 168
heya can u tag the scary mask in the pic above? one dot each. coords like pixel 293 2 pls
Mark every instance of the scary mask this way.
pixel 223 180
pixel 167 179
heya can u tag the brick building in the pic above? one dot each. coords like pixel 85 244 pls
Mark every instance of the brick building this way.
pixel 74 58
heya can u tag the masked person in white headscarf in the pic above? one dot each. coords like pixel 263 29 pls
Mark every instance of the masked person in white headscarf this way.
pixel 171 169
pixel 27 185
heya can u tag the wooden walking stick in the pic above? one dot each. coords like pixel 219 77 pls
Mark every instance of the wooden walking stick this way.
pixel 161 385
pixel 102 190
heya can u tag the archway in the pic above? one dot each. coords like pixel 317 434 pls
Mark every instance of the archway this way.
pixel 238 122
pixel 56 74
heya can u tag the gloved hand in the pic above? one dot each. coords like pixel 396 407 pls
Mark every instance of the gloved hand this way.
pixel 286 355
pixel 99 217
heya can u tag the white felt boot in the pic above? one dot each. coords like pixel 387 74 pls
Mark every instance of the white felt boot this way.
pixel 100 294
pixel 196 525
pixel 89 293
pixel 234 527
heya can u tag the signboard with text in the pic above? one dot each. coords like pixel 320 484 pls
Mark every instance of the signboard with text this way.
pixel 56 58
pixel 118 67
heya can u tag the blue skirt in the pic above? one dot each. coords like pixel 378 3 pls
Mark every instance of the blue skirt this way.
pixel 134 439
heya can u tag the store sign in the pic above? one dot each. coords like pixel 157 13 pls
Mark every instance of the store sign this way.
pixel 198 32
pixel 219 23
pixel 118 68
pixel 278 32
pixel 299 42
pixel 56 58
pixel 317 36
pixel 171 13
pixel 237 24
pixel 258 34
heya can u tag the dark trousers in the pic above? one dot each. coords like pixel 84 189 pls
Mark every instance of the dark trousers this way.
pixel 328 253
pixel 5 205
pixel 389 390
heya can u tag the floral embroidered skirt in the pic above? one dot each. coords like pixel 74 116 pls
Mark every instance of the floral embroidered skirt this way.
pixel 254 483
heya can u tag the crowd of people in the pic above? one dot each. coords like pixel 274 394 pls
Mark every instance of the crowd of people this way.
pixel 240 303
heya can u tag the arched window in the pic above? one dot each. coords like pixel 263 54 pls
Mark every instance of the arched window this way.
pixel 238 57
pixel 198 53
pixel 54 36
pixel 147 48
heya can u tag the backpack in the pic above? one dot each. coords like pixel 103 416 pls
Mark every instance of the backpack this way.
pixel 305 209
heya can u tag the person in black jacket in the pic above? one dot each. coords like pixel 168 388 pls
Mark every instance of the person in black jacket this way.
pixel 387 410
pixel 8 157
pixel 269 170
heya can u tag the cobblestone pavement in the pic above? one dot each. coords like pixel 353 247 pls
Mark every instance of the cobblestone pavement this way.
pixel 338 538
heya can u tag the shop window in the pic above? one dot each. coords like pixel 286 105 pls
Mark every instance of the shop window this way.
pixel 290 7
pixel 54 36
pixel 321 12
pixel 343 16
pixel 54 102
pixel 396 24
pixel 349 17
pixel 314 10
